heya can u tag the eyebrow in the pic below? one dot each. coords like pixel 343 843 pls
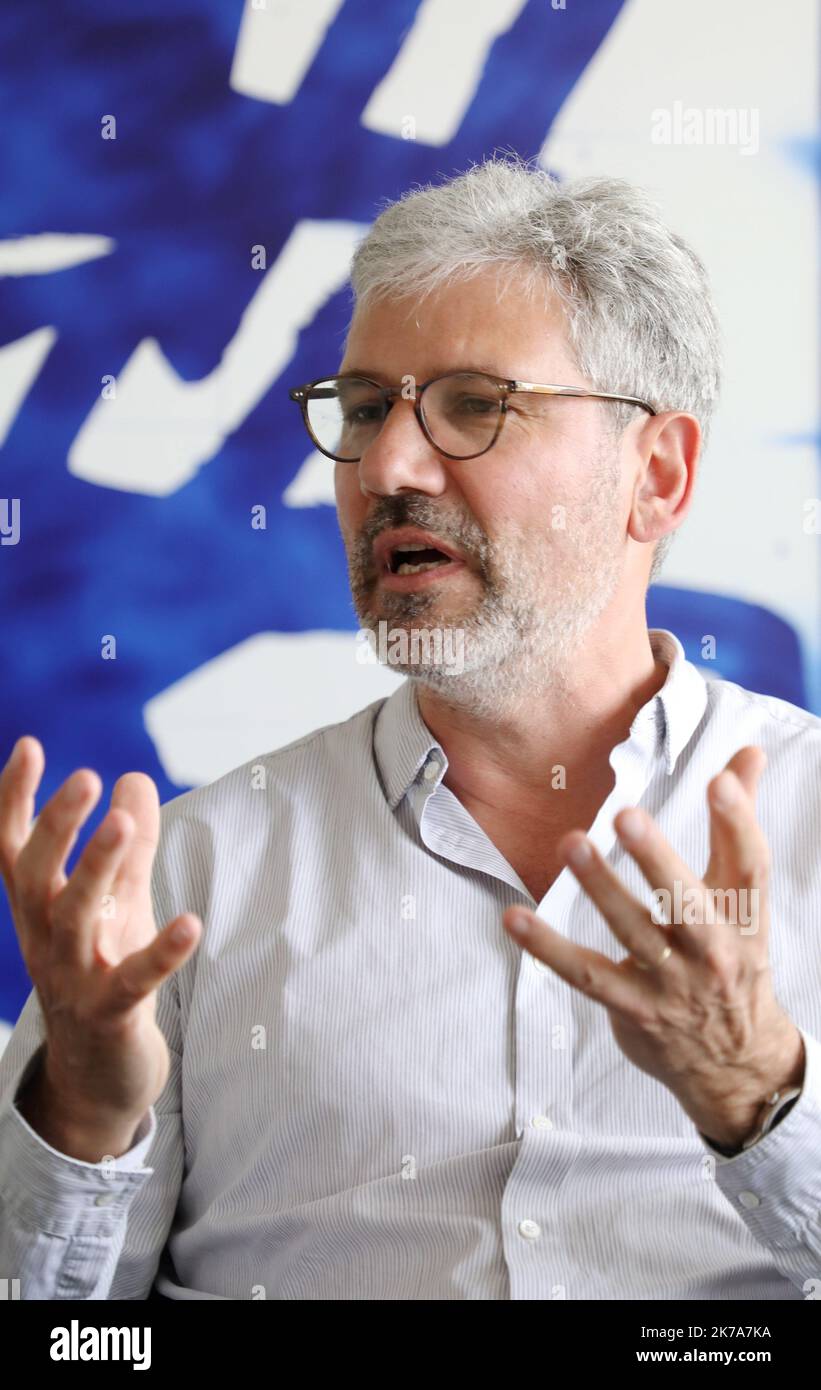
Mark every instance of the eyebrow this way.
pixel 435 371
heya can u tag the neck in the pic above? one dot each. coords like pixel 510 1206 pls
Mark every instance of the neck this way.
pixel 506 761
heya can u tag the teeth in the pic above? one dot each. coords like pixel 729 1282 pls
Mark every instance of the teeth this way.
pixel 405 568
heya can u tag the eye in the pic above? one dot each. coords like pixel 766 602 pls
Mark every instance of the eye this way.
pixel 358 414
pixel 477 405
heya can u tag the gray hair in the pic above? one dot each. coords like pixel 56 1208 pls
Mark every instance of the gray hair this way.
pixel 640 315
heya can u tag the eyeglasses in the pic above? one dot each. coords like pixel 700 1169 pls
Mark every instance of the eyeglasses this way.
pixel 461 413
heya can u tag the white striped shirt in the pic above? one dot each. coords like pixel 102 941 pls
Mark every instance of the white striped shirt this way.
pixel 375 1094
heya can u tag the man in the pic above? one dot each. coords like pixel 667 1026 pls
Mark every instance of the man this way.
pixel 508 986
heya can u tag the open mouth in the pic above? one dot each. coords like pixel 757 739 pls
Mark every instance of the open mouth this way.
pixel 415 559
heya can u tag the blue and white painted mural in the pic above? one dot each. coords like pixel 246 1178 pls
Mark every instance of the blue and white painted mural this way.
pixel 182 189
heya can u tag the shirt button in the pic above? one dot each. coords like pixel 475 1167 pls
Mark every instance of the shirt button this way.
pixel 531 1230
pixel 540 966
pixel 749 1199
pixel 104 1199
pixel 542 1122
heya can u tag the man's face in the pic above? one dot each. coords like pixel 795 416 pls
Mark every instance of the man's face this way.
pixel 539 520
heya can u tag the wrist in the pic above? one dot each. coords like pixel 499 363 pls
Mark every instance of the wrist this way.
pixel 777 1108
pixel 73 1129
pixel 755 1108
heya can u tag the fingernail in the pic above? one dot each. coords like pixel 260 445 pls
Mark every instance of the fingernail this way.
pixel 182 933
pixel 580 854
pixel 520 924
pixel 108 834
pixel 726 792
pixel 631 825
pixel 76 789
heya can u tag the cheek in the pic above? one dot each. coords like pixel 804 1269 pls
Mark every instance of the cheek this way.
pixel 341 483
pixel 517 489
pixel 351 503
pixel 544 458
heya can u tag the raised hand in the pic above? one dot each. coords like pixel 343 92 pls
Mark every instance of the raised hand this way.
pixel 92 949
pixel 693 1002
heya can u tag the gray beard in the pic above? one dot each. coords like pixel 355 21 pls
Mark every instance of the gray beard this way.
pixel 523 634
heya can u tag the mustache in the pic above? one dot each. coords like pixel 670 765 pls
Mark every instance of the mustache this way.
pixel 460 532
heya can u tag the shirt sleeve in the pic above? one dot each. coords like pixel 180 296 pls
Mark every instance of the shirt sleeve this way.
pixel 775 1185
pixel 76 1230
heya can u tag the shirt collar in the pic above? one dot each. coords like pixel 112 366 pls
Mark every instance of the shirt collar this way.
pixel 682 698
pixel 403 743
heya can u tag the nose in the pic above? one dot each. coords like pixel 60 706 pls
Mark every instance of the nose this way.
pixel 401 457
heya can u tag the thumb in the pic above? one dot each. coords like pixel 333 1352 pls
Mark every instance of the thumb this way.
pixel 144 971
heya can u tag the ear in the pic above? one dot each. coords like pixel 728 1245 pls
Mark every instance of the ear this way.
pixel 667 453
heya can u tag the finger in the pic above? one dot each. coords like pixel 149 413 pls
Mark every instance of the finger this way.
pixel 587 971
pixel 739 864
pixel 144 971
pixel 627 918
pixel 136 794
pixel 19 781
pixel 76 910
pixel 748 764
pixel 38 872
pixel 745 767
pixel 673 882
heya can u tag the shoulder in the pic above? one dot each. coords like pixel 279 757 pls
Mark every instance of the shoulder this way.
pixel 221 833
pixel 329 752
pixel 789 735
pixel 728 698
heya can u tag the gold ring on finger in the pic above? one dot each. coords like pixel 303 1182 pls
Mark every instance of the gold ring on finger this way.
pixel 644 965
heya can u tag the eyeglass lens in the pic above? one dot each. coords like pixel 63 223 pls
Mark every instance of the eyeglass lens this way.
pixel 461 412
